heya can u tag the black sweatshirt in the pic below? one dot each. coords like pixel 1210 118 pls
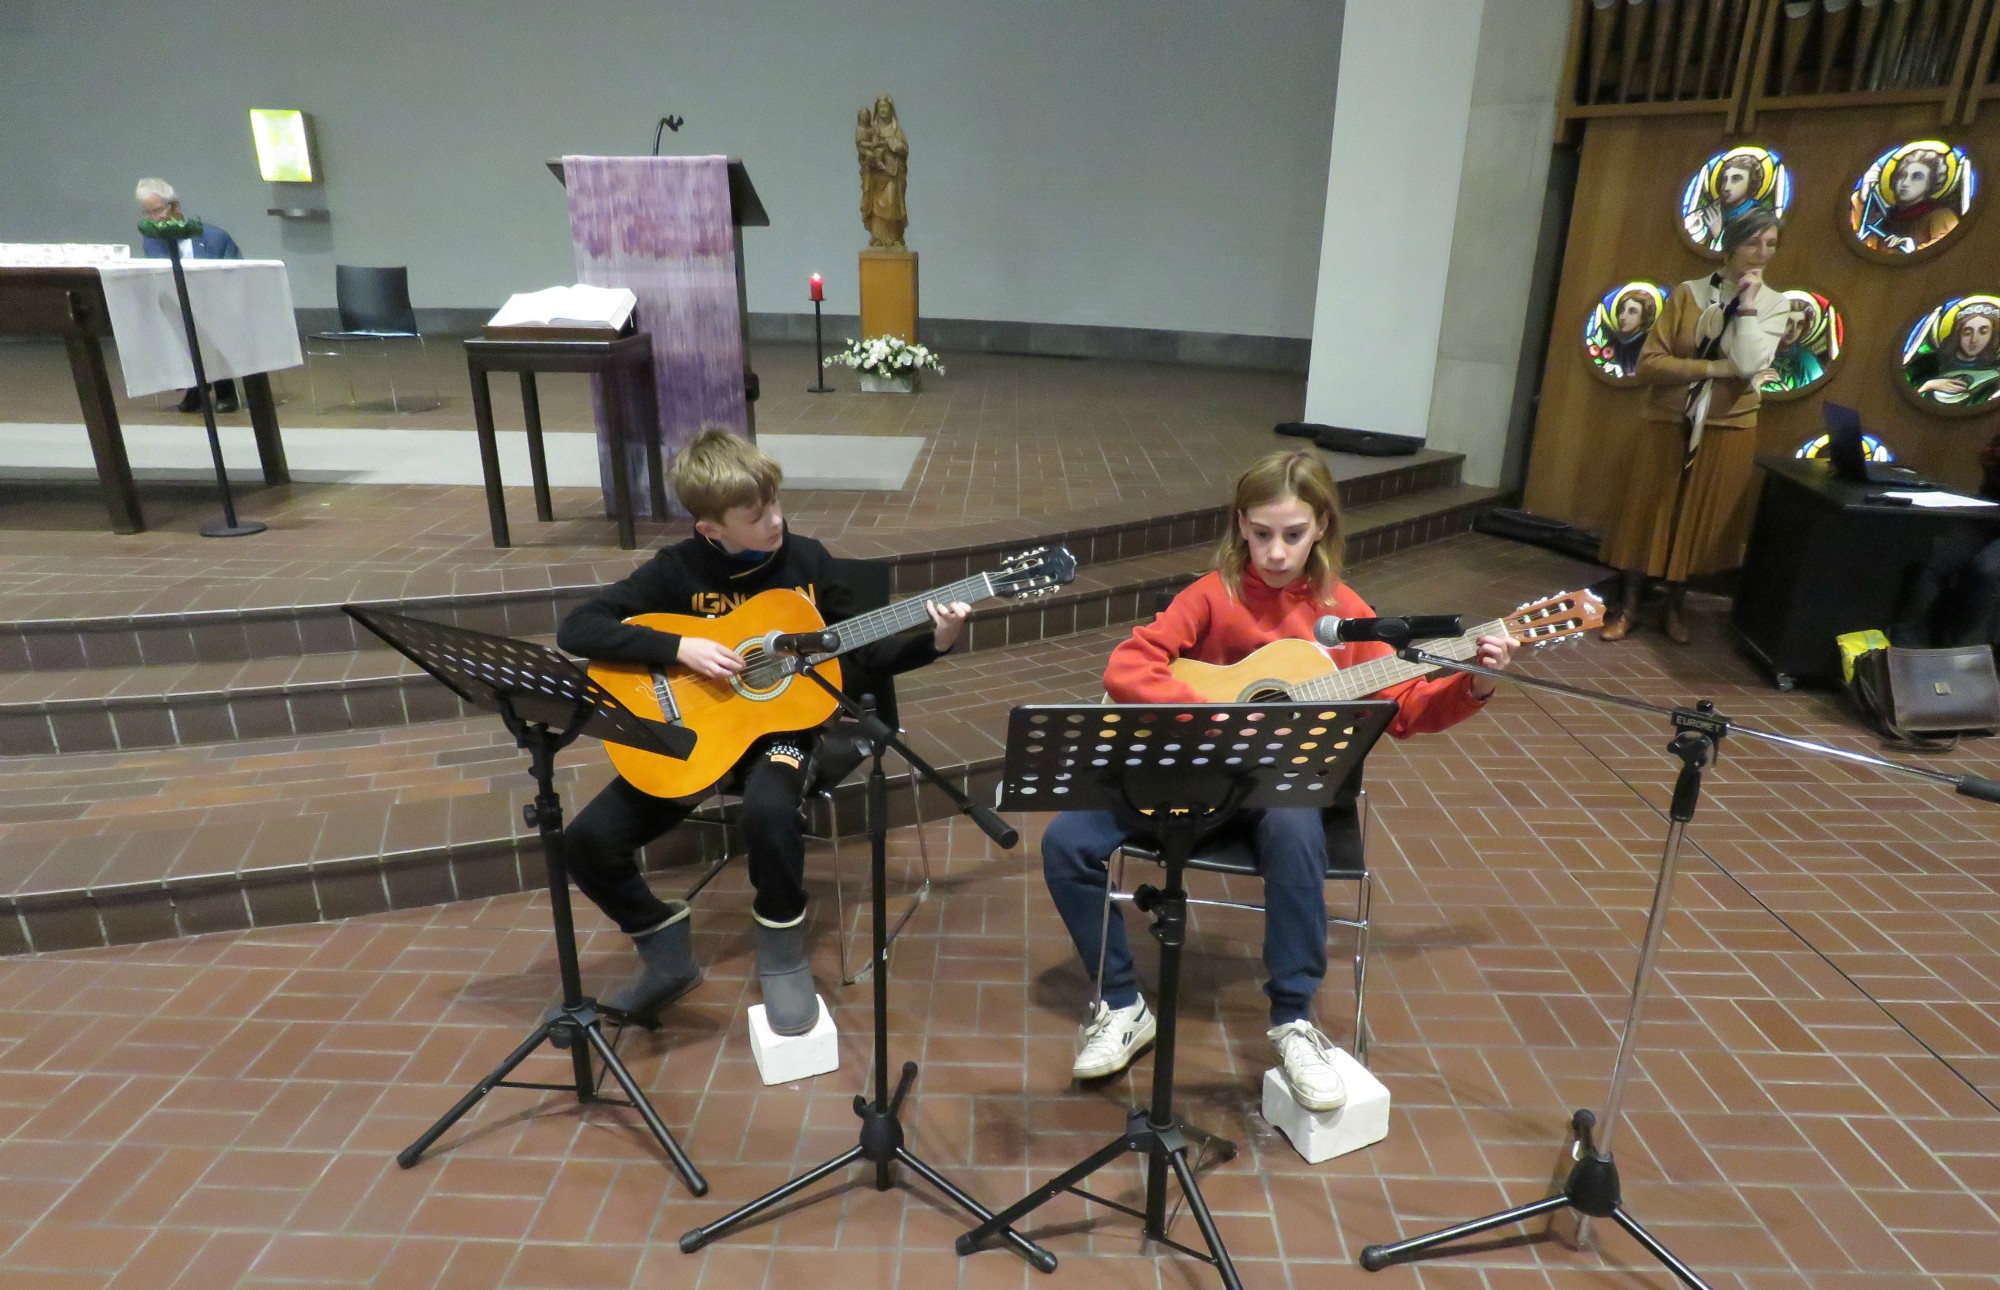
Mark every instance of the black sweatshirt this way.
pixel 698 577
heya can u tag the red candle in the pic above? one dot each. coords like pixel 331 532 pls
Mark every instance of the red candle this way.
pixel 818 288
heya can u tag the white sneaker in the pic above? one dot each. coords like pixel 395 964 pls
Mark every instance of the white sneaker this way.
pixel 1108 1042
pixel 1305 1060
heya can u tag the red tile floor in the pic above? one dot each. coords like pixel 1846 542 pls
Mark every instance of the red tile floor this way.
pixel 1814 1107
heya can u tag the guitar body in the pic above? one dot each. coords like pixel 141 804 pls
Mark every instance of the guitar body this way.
pixel 727 715
pixel 1268 673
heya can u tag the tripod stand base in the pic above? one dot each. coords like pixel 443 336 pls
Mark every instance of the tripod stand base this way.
pixel 1165 1148
pixel 1591 1190
pixel 242 528
pixel 562 1031
pixel 882 1146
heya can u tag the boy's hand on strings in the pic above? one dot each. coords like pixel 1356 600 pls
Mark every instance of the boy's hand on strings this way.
pixel 709 658
pixel 1495 652
pixel 947 622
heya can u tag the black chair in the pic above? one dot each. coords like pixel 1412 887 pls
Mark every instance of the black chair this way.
pixel 375 309
pixel 1228 852
pixel 836 759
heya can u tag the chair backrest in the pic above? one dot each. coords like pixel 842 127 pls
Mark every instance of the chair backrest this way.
pixel 374 299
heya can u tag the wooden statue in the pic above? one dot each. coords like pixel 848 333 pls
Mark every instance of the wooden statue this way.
pixel 885 162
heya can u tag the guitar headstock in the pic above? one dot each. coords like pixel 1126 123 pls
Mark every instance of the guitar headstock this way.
pixel 1039 571
pixel 1554 618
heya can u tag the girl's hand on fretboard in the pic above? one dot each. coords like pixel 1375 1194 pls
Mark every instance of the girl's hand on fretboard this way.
pixel 1495 652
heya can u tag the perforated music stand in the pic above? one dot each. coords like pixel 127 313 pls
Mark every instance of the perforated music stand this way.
pixel 546 701
pixel 1173 774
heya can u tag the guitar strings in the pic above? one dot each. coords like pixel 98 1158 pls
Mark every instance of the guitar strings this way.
pixel 693 692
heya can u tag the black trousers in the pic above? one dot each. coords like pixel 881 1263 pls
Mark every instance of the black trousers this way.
pixel 601 843
pixel 224 389
pixel 1954 599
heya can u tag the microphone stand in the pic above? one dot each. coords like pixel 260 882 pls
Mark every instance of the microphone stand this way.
pixel 1592 1187
pixel 882 1138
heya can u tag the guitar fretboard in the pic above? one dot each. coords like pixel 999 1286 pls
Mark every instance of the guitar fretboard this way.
pixel 880 624
pixel 1378 674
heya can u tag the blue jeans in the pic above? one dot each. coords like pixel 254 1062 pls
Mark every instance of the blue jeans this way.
pixel 1290 846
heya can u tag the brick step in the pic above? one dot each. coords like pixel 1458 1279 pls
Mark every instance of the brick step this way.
pixel 226 614
pixel 117 847
pixel 96 710
pixel 102 709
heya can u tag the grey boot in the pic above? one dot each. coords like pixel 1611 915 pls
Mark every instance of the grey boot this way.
pixel 667 969
pixel 791 1005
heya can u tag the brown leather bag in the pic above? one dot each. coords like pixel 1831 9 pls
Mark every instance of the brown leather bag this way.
pixel 1913 693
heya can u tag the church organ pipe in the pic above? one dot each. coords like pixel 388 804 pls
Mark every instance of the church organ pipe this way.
pixel 1603 15
pixel 1690 22
pixel 1631 38
pixel 1656 61
pixel 1797 16
pixel 1839 18
pixel 1864 42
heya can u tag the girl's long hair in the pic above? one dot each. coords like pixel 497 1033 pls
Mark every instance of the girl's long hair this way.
pixel 1301 474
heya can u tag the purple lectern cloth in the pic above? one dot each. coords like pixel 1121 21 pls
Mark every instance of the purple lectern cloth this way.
pixel 660 227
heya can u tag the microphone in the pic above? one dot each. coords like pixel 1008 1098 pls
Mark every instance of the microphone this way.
pixel 1335 630
pixel 673 123
pixel 820 642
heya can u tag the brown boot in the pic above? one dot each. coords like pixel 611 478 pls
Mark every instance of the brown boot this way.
pixel 1676 622
pixel 1625 617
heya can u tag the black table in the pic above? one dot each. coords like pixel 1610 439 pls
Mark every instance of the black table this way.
pixel 632 407
pixel 68 302
pixel 1824 561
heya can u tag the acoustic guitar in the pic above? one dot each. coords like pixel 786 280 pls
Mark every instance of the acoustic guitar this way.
pixel 769 696
pixel 1299 669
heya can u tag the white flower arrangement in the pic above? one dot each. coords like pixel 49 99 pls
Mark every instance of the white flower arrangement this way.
pixel 887 356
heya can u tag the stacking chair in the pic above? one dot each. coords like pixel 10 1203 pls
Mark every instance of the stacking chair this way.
pixel 1228 852
pixel 374 310
pixel 837 758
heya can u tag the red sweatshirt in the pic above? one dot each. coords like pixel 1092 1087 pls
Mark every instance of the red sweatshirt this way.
pixel 1207 624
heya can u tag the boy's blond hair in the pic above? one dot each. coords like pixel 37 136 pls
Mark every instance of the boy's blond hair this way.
pixel 1301 474
pixel 721 471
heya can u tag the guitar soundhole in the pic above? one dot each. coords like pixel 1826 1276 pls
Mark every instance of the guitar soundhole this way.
pixel 1265 692
pixel 764 676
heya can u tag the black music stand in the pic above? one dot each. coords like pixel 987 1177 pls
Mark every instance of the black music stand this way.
pixel 882 1140
pixel 546 701
pixel 1174 774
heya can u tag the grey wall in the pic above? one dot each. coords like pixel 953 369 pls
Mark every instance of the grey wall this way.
pixel 1132 163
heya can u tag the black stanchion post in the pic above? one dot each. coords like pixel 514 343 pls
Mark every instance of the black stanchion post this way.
pixel 171 234
pixel 819 385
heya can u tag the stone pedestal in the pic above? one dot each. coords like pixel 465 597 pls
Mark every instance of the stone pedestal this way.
pixel 889 295
pixel 784 1059
pixel 1322 1135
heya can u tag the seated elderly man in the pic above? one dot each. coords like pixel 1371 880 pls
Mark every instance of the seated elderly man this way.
pixel 157 201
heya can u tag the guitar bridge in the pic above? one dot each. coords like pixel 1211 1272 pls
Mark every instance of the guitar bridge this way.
pixel 670 710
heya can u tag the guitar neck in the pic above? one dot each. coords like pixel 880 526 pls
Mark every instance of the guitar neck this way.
pixel 880 624
pixel 1378 674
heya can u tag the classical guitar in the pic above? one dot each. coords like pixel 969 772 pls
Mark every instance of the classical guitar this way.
pixel 769 696
pixel 1299 669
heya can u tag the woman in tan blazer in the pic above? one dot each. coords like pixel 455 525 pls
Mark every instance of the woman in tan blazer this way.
pixel 1688 488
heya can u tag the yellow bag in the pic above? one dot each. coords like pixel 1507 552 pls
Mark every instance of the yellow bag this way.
pixel 1853 645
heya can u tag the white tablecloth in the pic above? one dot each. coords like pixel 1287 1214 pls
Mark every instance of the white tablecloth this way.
pixel 242 317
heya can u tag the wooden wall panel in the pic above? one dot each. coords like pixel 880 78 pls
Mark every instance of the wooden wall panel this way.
pixel 1625 225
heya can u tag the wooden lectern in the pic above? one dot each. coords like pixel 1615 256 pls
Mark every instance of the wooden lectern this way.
pixel 670 230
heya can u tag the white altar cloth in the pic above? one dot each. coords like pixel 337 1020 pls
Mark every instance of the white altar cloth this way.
pixel 242 317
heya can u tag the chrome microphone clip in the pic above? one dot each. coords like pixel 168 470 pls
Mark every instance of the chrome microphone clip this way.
pixel 802 643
